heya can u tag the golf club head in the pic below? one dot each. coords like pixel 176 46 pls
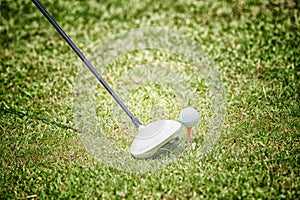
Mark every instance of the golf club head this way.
pixel 156 139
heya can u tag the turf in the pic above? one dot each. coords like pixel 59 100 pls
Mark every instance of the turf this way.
pixel 255 45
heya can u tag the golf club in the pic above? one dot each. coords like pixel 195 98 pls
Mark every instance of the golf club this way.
pixel 150 138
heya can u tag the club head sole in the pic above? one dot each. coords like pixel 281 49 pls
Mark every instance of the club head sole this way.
pixel 156 138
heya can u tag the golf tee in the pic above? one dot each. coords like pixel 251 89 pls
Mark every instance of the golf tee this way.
pixel 189 130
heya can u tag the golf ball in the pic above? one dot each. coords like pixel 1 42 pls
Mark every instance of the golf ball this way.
pixel 189 117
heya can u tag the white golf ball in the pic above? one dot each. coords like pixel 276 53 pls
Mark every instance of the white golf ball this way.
pixel 189 117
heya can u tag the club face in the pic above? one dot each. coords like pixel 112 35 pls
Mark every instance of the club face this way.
pixel 156 139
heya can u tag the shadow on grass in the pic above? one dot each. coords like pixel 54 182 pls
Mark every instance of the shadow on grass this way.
pixel 23 114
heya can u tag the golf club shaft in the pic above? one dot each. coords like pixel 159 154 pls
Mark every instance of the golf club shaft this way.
pixel 136 122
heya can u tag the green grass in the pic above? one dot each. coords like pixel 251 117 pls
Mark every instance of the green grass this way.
pixel 255 46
